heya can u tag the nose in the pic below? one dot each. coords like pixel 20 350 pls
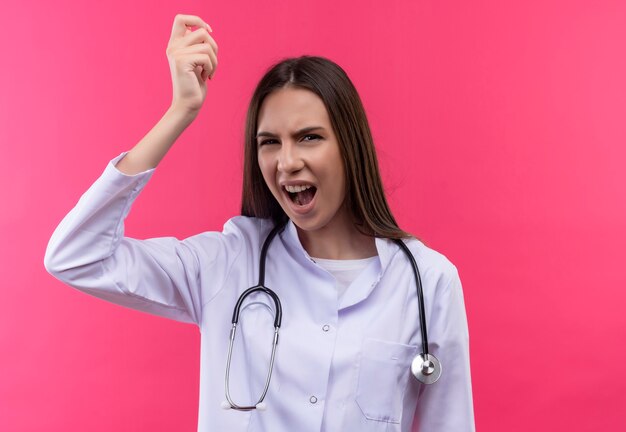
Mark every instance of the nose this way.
pixel 289 158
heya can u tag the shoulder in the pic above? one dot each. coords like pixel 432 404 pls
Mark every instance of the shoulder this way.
pixel 247 225
pixel 238 233
pixel 434 266
pixel 248 231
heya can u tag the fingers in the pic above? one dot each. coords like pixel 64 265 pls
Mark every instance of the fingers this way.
pixel 184 39
pixel 204 62
pixel 189 37
pixel 203 55
pixel 181 22
pixel 199 36
pixel 213 59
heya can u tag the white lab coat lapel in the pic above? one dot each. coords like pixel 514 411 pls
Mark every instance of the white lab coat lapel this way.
pixel 363 285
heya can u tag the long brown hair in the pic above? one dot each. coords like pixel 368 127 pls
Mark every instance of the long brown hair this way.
pixel 364 190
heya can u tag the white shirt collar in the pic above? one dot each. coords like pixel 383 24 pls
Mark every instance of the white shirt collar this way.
pixel 363 285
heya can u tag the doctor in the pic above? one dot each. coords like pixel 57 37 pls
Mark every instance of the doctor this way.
pixel 350 314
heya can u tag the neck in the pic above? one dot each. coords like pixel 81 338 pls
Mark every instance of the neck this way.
pixel 338 240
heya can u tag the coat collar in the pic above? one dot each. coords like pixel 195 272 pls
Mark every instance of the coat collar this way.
pixel 363 285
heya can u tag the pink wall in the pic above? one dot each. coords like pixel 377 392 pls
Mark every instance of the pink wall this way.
pixel 501 135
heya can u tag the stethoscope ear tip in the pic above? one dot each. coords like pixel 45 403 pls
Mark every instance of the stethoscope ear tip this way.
pixel 225 405
pixel 261 406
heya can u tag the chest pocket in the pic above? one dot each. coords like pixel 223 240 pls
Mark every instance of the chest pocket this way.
pixel 384 371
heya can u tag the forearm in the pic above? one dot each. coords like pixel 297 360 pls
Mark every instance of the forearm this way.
pixel 148 152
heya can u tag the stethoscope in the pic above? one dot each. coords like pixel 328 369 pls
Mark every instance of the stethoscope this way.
pixel 425 367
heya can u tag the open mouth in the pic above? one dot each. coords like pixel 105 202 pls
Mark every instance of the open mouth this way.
pixel 302 198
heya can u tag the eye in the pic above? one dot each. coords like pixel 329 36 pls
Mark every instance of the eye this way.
pixel 271 140
pixel 313 135
pixel 267 141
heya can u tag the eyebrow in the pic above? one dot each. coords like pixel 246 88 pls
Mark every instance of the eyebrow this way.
pixel 295 134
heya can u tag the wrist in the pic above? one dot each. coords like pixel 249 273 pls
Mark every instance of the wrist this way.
pixel 182 112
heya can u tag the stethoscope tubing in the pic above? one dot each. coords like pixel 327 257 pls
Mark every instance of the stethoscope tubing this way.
pixel 425 367
pixel 420 296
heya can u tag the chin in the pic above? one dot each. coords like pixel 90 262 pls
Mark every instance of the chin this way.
pixel 310 224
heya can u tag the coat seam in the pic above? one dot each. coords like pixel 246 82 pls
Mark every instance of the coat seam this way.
pixel 226 276
pixel 120 220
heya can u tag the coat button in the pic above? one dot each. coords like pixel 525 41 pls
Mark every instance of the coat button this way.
pixel 313 399
pixel 326 327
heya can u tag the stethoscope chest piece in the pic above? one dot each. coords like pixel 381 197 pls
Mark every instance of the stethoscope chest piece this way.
pixel 426 368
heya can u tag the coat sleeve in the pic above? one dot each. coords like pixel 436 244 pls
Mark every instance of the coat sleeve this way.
pixel 160 276
pixel 447 405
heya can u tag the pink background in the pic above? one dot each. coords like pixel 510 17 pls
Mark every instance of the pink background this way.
pixel 501 133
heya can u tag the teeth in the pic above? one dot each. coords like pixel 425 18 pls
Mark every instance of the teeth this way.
pixel 295 189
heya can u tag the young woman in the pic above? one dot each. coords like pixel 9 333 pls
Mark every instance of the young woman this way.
pixel 315 231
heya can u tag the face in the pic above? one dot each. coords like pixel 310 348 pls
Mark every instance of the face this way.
pixel 296 148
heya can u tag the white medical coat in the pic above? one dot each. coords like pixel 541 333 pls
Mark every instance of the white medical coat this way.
pixel 340 366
